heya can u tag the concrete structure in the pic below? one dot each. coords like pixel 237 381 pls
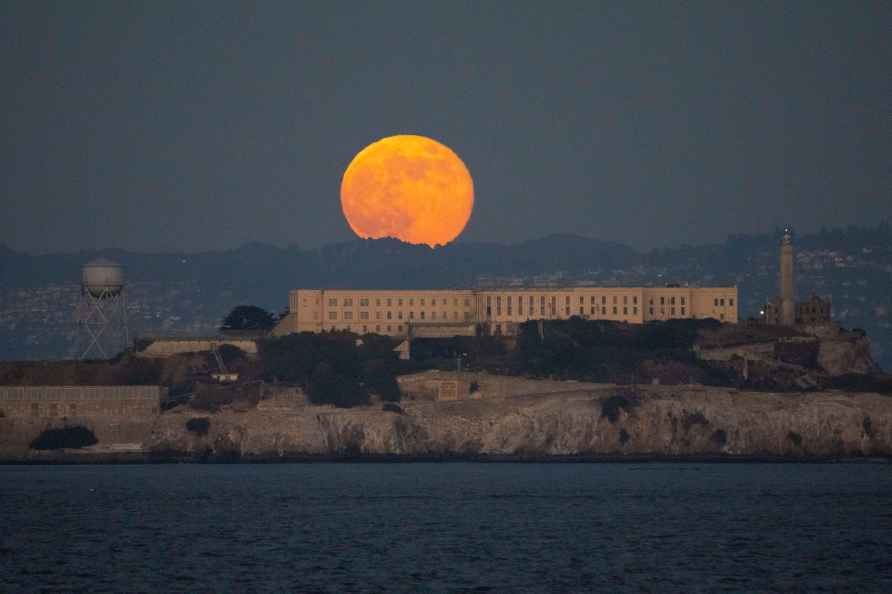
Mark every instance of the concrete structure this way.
pixel 102 278
pixel 783 309
pixel 408 313
pixel 167 347
pixel 48 402
pixel 813 310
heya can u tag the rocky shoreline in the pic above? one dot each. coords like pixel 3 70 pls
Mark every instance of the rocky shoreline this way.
pixel 590 423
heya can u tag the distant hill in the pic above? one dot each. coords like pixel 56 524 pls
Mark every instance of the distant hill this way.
pixel 178 292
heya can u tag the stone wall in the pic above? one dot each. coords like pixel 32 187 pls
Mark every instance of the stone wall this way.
pixel 450 385
pixel 762 350
pixel 47 402
pixel 177 346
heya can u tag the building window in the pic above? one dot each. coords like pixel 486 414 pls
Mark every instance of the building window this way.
pixel 625 311
pixel 399 302
pixel 332 315
pixel 614 309
pixel 682 311
pixel 651 311
pixel 390 315
pixel 715 302
pixel 603 311
pixel 348 301
pixel 399 328
pixel 348 315
pixel 593 311
pixel 365 329
pixel 363 302
pixel 581 300
pixel 333 302
pixel 672 311
pixel 422 315
pixel 603 299
pixel 722 302
pixel 662 301
pixel 567 301
pixel 399 315
pixel 672 301
pixel 731 302
pixel 389 302
pixel 635 300
pixel 635 310
pixel 388 328
pixel 682 301
pixel 411 315
pixel 422 301
pixel 593 299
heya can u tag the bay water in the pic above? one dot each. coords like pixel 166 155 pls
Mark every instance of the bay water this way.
pixel 447 527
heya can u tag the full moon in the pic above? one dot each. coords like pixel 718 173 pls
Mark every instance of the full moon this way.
pixel 409 187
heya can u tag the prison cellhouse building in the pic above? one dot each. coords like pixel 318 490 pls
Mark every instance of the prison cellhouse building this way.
pixel 407 313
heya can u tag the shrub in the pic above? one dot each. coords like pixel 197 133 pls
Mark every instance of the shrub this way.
pixel 198 425
pixel 248 317
pixel 141 344
pixel 610 407
pixel 719 437
pixel 795 438
pixel 694 418
pixel 866 424
pixel 326 387
pixel 67 437
pixel 230 353
pixel 380 380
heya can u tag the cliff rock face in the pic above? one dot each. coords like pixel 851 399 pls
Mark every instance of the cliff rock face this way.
pixel 846 355
pixel 494 416
pixel 657 422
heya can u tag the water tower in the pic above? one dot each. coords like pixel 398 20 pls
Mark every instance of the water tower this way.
pixel 102 309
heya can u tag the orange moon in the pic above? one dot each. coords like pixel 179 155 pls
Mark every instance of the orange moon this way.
pixel 409 187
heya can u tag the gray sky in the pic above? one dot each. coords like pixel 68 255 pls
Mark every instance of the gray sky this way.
pixel 162 126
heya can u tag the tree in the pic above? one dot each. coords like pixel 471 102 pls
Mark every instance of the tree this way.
pixel 248 317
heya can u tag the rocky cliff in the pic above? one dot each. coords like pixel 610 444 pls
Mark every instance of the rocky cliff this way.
pixel 583 420
pixel 656 423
